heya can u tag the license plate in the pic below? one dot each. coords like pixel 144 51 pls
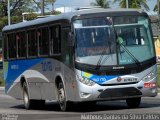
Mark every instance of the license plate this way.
pixel 149 85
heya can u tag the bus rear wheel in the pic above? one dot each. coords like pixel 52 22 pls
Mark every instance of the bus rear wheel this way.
pixel 133 102
pixel 27 102
pixel 64 104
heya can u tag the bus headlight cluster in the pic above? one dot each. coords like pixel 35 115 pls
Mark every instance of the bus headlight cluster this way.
pixel 149 77
pixel 86 81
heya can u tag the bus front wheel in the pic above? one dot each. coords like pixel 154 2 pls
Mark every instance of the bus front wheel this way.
pixel 133 102
pixel 64 104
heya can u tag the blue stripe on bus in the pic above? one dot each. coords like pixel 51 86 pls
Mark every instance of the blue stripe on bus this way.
pixel 98 79
pixel 102 79
pixel 16 68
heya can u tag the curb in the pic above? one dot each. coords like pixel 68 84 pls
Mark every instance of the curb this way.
pixel 1 88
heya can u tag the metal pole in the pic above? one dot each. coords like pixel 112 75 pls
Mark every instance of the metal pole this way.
pixel 42 7
pixel 9 14
pixel 158 5
pixel 127 4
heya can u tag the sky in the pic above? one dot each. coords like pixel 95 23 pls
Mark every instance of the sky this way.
pixel 70 3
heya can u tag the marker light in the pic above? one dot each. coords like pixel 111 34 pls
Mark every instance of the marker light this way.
pixel 149 77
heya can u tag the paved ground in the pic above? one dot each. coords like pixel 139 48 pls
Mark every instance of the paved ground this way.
pixel 13 109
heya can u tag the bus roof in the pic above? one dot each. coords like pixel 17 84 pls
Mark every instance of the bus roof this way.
pixel 68 16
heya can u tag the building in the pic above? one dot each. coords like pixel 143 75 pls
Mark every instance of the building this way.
pixel 156 34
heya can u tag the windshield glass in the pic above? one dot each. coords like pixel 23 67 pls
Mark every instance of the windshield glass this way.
pixel 134 35
pixel 94 38
pixel 97 37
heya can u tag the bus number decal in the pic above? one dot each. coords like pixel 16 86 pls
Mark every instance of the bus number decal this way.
pixel 46 66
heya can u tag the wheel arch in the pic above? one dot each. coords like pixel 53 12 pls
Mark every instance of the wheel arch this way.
pixel 22 80
pixel 58 79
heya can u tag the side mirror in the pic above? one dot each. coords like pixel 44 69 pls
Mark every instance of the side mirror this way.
pixel 70 39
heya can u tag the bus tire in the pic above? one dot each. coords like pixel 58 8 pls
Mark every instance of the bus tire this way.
pixel 64 104
pixel 133 102
pixel 27 102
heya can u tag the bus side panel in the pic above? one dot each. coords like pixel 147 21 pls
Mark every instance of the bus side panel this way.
pixel 70 83
pixel 40 77
pixel 48 91
pixel 16 91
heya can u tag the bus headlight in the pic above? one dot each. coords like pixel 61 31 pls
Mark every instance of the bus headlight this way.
pixel 149 77
pixel 85 81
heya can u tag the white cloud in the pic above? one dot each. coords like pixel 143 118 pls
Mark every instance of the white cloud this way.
pixel 81 3
pixel 62 3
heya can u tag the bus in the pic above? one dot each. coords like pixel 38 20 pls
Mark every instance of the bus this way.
pixel 83 56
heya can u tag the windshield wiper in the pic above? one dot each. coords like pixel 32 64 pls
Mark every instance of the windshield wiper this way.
pixel 98 66
pixel 129 53
pixel 120 43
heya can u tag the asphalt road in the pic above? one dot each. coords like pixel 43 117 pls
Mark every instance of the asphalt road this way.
pixel 11 109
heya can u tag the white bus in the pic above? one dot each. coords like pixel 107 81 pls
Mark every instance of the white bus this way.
pixel 82 56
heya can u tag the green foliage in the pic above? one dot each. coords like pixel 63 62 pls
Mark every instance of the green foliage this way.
pixel 31 16
pixel 3 22
pixel 101 3
pixel 133 3
pixel 17 7
pixel 54 12
pixel 37 4
pixel 156 8
pixel 1 78
pixel 16 19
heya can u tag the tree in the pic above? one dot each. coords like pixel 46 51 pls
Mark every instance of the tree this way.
pixel 133 4
pixel 156 8
pixel 17 7
pixel 101 3
pixel 38 4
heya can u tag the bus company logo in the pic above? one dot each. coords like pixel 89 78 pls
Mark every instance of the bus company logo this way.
pixel 119 79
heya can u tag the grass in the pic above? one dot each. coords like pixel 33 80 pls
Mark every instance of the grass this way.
pixel 158 76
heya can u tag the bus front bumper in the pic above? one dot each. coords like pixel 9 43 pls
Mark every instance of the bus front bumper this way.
pixel 118 92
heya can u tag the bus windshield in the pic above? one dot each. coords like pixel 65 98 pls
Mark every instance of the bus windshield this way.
pixel 113 40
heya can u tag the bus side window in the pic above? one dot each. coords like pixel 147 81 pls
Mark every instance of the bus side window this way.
pixel 43 37
pixel 12 49
pixel 55 42
pixel 21 39
pixel 5 47
pixel 32 43
pixel 66 48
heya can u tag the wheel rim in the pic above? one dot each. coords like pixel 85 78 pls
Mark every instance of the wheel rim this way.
pixel 61 96
pixel 25 98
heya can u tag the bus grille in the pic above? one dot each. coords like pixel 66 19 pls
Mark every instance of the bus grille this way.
pixel 120 92
pixel 119 84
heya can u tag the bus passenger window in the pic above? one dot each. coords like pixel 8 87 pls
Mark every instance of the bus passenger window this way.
pixel 55 44
pixel 66 57
pixel 5 47
pixel 22 44
pixel 43 37
pixel 12 51
pixel 32 43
